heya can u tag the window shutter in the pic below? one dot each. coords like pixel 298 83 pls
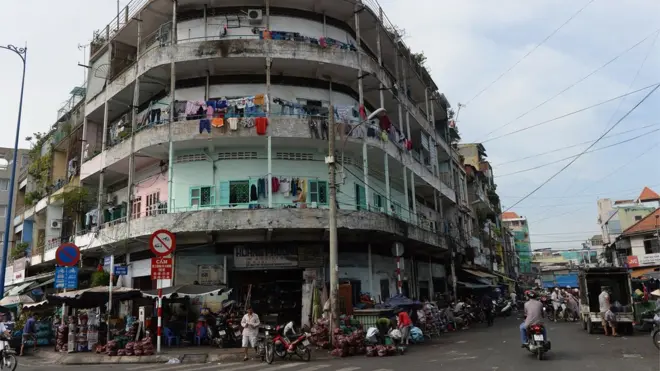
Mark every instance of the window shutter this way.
pixel 224 194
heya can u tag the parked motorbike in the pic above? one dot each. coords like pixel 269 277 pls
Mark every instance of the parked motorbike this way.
pixel 655 334
pixel 7 354
pixel 265 347
pixel 288 343
pixel 536 341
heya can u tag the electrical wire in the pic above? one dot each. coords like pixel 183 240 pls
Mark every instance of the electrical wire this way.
pixel 580 154
pixel 571 146
pixel 586 149
pixel 529 52
pixel 570 113
pixel 571 85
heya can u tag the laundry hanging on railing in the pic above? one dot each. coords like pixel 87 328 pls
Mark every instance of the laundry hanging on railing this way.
pixel 324 42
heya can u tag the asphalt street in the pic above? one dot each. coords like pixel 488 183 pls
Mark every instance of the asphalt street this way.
pixel 479 348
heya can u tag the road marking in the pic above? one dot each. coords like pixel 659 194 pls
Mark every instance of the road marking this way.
pixel 462 358
pixel 349 369
pixel 314 368
pixel 215 365
pixel 144 367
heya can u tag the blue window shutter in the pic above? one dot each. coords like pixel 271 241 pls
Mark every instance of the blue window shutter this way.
pixel 360 197
pixel 224 194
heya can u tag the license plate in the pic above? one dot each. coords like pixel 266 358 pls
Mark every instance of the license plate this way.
pixel 306 343
pixel 223 332
pixel 538 337
pixel 237 333
pixel 267 333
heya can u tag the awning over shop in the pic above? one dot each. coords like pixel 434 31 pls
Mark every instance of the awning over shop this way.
pixel 92 297
pixel 479 273
pixel 29 283
pixel 187 291
pixel 12 301
pixel 39 305
pixel 637 273
pixel 499 275
pixel 474 285
pixel 17 290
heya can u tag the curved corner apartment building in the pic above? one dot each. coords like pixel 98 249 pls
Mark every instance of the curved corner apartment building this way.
pixel 210 119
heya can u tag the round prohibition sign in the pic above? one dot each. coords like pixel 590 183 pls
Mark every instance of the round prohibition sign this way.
pixel 67 255
pixel 162 242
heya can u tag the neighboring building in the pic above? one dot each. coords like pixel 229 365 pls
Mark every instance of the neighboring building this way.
pixel 520 228
pixel 616 216
pixel 551 259
pixel 638 247
pixel 227 144
pixel 6 158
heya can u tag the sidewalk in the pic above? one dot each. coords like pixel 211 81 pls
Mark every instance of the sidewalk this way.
pixel 183 354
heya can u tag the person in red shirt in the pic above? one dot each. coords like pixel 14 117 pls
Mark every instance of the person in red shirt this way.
pixel 404 325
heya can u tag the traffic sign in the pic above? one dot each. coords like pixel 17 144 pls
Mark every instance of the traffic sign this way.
pixel 121 270
pixel 161 268
pixel 66 277
pixel 162 242
pixel 67 255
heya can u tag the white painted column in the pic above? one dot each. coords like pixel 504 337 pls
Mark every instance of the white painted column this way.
pixel 431 288
pixel 365 172
pixel 170 159
pixel 388 191
pixel 371 272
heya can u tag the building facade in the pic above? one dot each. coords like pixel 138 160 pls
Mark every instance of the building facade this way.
pixel 641 245
pixel 213 122
pixel 520 228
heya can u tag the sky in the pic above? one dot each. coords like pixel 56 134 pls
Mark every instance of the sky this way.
pixel 468 44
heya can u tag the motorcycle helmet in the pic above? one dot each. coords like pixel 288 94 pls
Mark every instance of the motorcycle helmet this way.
pixel 530 294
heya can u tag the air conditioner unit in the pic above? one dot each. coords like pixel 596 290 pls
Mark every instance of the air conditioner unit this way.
pixel 55 224
pixel 255 16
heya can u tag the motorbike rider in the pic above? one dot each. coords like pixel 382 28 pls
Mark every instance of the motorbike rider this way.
pixel 533 316
pixel 487 306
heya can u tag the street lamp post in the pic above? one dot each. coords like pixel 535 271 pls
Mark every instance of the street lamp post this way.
pixel 22 53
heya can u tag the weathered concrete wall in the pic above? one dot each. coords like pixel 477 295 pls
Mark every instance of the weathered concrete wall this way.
pixel 194 51
pixel 264 219
pixel 287 127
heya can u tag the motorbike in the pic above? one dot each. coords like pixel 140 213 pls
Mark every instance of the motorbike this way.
pixel 287 343
pixel 536 342
pixel 7 354
pixel 655 334
pixel 264 346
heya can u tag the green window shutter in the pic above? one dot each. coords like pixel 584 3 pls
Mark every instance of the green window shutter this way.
pixel 224 194
pixel 360 197
pixel 323 193
pixel 313 191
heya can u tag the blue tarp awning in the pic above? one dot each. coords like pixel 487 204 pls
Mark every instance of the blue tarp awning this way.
pixel 565 280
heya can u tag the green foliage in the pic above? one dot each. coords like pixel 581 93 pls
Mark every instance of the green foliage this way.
pixel 31 198
pixel 419 58
pixel 40 166
pixel 19 250
pixel 101 278
pixel 74 200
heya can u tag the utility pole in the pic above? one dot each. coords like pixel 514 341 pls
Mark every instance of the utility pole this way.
pixel 332 224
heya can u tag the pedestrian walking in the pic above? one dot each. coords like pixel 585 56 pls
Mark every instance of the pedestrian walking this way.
pixel 250 324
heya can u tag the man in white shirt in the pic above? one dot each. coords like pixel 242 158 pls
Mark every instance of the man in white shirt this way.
pixel 605 306
pixel 250 324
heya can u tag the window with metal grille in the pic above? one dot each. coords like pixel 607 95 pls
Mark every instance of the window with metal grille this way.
pixel 318 192
pixel 4 184
pixel 136 207
pixel 295 156
pixel 237 155
pixel 202 196
pixel 153 200
pixel 190 158
pixel 239 192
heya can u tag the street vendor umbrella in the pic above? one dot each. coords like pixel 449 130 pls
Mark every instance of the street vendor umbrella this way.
pixel 92 297
pixel 14 300
pixel 187 291
pixel 656 293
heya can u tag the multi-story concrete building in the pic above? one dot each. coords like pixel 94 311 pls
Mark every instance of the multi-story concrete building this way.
pixel 520 228
pixel 212 122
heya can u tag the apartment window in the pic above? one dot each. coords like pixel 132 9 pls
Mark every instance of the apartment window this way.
pixel 202 196
pixel 153 200
pixel 651 246
pixel 637 217
pixel 4 184
pixel 4 164
pixel 136 207
pixel 3 211
pixel 239 192
pixel 379 202
pixel 318 192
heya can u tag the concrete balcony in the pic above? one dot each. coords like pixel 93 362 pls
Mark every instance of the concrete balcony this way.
pixel 185 133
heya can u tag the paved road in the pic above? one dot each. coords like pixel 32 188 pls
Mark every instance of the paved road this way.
pixel 480 348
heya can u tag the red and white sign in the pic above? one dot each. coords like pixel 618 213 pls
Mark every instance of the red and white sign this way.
pixel 161 268
pixel 645 260
pixel 162 242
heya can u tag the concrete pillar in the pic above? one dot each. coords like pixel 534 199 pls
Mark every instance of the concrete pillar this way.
pixel 270 171
pixel 431 288
pixel 414 201
pixel 206 22
pixel 356 12
pixel 170 160
pixel 104 141
pixel 269 159
pixel 365 172
pixel 388 191
pixel 207 85
pixel 379 26
pixel 134 124
pixel 371 271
